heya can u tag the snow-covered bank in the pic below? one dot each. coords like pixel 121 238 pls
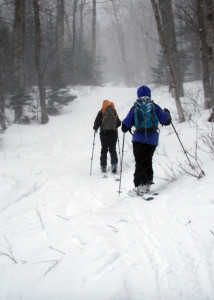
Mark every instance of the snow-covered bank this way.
pixel 67 235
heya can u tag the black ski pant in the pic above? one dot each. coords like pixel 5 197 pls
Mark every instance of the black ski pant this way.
pixel 108 143
pixel 143 154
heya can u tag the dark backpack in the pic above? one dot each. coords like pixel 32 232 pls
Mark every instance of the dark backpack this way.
pixel 145 118
pixel 109 121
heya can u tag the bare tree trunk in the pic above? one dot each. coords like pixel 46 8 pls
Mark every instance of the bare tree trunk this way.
pixel 72 33
pixel 169 34
pixel 121 39
pixel 81 21
pixel 147 45
pixel 94 42
pixel 208 97
pixel 74 30
pixel 168 63
pixel 60 41
pixel 211 117
pixel 24 40
pixel 18 58
pixel 44 115
pixel 2 89
pixel 196 54
pixel 210 41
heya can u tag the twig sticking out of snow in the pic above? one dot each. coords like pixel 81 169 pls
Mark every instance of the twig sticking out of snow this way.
pixel 39 215
pixel 56 250
pixel 113 228
pixel 9 253
pixel 62 217
pixel 54 264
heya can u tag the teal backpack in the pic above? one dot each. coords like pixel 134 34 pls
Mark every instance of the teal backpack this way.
pixel 145 118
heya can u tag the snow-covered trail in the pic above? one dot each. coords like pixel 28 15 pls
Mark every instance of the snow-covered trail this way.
pixel 74 237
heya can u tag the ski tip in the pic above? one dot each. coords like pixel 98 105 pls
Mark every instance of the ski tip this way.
pixel 148 198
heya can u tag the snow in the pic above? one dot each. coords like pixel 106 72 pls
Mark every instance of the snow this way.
pixel 67 235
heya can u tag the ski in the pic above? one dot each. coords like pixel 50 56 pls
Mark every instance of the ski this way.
pixel 115 176
pixel 146 196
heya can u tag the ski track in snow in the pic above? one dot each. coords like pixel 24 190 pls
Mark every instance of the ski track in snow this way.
pixel 173 255
pixel 96 244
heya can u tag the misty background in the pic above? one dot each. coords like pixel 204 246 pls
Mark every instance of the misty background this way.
pixel 141 44
pixel 48 46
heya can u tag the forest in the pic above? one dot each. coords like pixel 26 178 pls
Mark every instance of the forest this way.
pixel 48 46
pixel 68 231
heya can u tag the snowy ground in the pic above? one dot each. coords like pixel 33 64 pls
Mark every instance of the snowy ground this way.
pixel 67 235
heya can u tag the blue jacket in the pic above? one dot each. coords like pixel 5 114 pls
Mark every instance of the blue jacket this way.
pixel 150 138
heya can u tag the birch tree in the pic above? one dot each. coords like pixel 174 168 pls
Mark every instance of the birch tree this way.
pixel 168 63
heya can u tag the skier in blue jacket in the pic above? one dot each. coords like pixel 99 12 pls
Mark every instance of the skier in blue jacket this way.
pixel 144 145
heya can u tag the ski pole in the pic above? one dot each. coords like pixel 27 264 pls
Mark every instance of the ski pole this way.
pixel 92 152
pixel 182 146
pixel 119 149
pixel 121 164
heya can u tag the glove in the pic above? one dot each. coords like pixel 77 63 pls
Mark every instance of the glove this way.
pixel 95 129
pixel 166 110
pixel 168 113
pixel 124 128
pixel 130 130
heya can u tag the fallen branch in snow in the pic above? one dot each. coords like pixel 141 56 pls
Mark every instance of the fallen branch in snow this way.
pixel 8 254
pixel 27 194
pixel 113 228
pixel 212 232
pixel 54 264
pixel 45 261
pixel 63 218
pixel 56 250
pixel 40 217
